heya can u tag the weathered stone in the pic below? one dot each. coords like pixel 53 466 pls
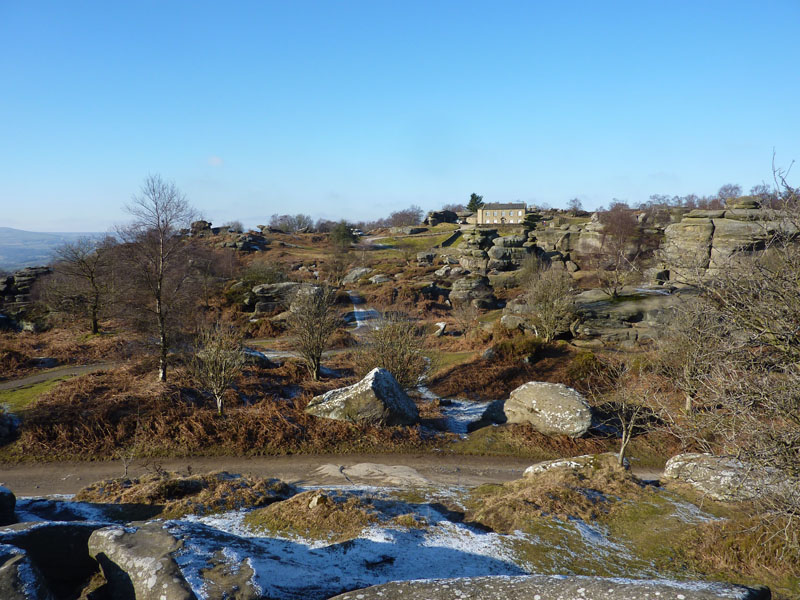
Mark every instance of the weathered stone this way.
pixel 512 322
pixel 138 563
pixel 509 241
pixel 58 549
pixel 552 408
pixel 440 216
pixel 554 587
pixel 425 258
pixel 440 328
pixel 472 289
pixel 443 272
pixel 19 577
pixel 377 399
pixel 724 478
pixel 585 462
pixel 379 278
pixel 7 503
pixel 355 274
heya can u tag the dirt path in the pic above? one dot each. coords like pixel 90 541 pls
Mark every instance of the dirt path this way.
pixel 55 373
pixel 401 470
pixel 36 479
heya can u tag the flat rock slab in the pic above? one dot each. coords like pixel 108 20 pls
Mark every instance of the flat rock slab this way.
pixel 727 479
pixel 548 587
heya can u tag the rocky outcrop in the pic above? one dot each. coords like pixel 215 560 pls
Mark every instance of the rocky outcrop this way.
pixel 19 577
pixel 475 290
pixel 7 503
pixel 704 240
pixel 508 252
pixel 551 408
pixel 474 249
pixel 425 258
pixel 139 563
pixel 637 317
pixel 440 216
pixel 269 297
pixel 724 478
pixel 555 587
pixel 16 288
pixel 58 549
pixel 247 242
pixel 377 399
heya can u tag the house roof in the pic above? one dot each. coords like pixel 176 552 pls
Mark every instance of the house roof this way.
pixel 500 205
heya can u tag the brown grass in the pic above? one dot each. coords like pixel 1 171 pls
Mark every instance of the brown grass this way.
pixel 68 346
pixel 316 515
pixel 127 411
pixel 564 492
pixel 181 495
pixel 747 549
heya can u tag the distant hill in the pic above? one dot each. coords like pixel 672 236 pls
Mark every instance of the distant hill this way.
pixel 20 248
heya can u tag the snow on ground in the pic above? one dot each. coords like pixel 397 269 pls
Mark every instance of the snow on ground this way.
pixel 458 413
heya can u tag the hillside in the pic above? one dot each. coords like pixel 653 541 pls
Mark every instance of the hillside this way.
pixel 20 248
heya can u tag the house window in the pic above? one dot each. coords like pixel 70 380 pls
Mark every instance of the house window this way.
pixel 520 213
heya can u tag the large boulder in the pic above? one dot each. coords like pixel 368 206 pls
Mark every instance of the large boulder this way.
pixel 377 399
pixel 270 297
pixel 473 289
pixel 354 275
pixel 440 216
pixel 552 408
pixel 724 478
pixel 139 563
pixel 7 503
pixel 19 577
pixel 554 587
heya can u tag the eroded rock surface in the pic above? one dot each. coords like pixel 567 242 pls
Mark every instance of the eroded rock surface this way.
pixel 138 563
pixel 552 587
pixel 377 399
pixel 19 577
pixel 552 408
pixel 724 478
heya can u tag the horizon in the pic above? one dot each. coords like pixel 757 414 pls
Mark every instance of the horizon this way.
pixel 354 110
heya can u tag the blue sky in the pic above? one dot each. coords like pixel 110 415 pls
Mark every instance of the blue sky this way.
pixel 356 109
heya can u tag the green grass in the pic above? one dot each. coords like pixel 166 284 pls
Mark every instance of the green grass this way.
pixel 17 400
pixel 441 360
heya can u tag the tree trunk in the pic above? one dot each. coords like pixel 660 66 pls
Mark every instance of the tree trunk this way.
pixel 95 326
pixel 219 405
pixel 162 333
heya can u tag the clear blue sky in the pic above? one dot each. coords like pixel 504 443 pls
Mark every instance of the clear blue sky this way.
pixel 355 109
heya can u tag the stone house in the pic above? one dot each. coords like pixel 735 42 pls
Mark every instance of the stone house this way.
pixel 496 213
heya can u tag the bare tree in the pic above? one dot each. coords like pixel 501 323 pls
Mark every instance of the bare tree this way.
pixel 82 283
pixel 409 216
pixel 313 320
pixel 623 245
pixel 575 206
pixel 549 302
pixel 218 360
pixel 158 256
pixel 740 362
pixel 728 191
pixel 396 344
pixel 466 315
pixel 625 402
